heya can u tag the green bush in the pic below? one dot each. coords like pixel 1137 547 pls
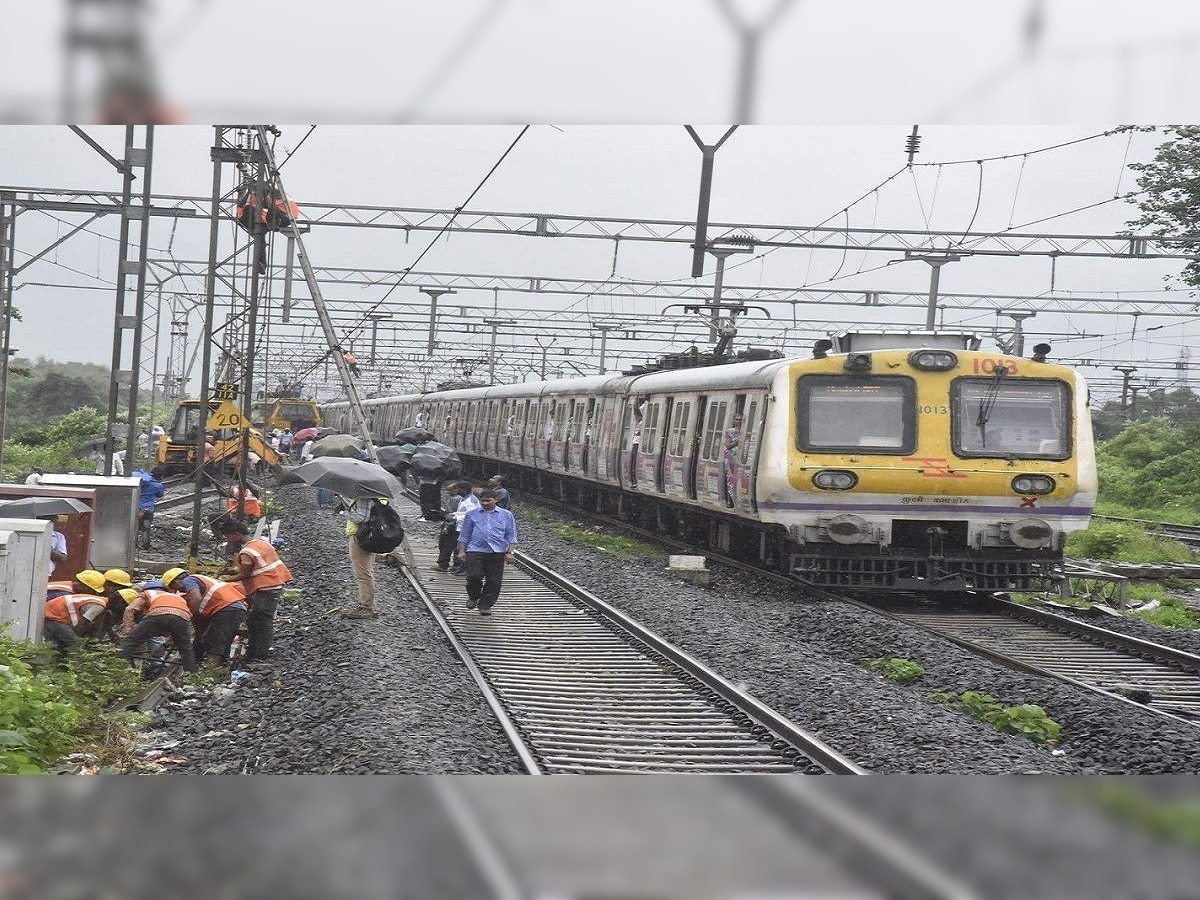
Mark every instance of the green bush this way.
pixel 1026 719
pixel 1125 542
pixel 37 722
pixel 895 668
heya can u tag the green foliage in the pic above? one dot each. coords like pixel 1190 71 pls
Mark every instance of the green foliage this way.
pixel 895 668
pixel 37 723
pixel 1153 466
pixel 1170 198
pixel 596 537
pixel 53 446
pixel 1171 613
pixel 1027 719
pixel 1176 820
pixel 48 389
pixel 1125 542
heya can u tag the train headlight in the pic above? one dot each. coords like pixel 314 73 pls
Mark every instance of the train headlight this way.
pixel 932 360
pixel 1030 533
pixel 1033 484
pixel 848 529
pixel 835 480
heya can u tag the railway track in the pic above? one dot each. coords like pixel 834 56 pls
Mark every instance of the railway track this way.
pixel 740 837
pixel 580 687
pixel 1158 678
pixel 1161 679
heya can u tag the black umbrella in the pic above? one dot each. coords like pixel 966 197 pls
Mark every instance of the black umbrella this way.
pixel 351 478
pixel 436 449
pixel 32 507
pixel 325 432
pixel 337 445
pixel 394 459
pixel 413 435
pixel 432 467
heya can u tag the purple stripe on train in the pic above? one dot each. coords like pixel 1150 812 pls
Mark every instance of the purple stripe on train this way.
pixel 931 507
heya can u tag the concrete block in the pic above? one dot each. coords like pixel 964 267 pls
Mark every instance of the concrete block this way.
pixel 692 569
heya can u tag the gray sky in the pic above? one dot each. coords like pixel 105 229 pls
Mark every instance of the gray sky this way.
pixel 795 175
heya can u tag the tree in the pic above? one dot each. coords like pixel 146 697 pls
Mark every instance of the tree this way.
pixel 1170 202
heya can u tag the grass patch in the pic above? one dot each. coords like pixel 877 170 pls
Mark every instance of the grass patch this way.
pixel 1174 820
pixel 1171 613
pixel 895 668
pixel 50 708
pixel 1125 542
pixel 1026 719
pixel 596 537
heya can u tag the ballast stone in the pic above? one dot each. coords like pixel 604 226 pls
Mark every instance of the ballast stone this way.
pixel 690 568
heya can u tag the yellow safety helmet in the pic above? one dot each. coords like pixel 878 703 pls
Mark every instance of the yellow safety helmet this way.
pixel 127 594
pixel 119 577
pixel 171 574
pixel 91 578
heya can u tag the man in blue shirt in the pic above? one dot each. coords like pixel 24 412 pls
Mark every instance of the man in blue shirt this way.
pixel 485 543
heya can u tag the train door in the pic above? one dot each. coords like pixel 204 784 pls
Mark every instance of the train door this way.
pixel 745 455
pixel 646 444
pixel 709 479
pixel 661 443
pixel 575 436
pixel 678 448
pixel 558 436
pixel 693 442
pixel 591 431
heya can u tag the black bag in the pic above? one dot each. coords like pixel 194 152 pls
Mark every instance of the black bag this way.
pixel 382 532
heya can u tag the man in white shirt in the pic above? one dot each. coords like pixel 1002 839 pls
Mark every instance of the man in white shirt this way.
pixel 58 544
pixel 35 477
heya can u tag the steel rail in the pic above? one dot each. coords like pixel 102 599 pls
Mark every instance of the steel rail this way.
pixel 755 709
pixel 507 725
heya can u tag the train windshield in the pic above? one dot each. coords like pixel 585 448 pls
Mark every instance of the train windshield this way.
pixel 297 412
pixel 870 414
pixel 1027 419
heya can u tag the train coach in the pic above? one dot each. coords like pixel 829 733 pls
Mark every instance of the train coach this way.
pixel 887 462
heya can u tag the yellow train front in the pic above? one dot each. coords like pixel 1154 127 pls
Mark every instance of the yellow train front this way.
pixel 938 468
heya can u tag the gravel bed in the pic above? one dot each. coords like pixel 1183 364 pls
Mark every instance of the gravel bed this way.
pixel 346 696
pixel 803 658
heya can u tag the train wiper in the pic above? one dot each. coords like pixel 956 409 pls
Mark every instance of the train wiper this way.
pixel 988 403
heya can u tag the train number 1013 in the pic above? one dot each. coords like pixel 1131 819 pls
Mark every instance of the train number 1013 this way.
pixel 935 410
pixel 987 365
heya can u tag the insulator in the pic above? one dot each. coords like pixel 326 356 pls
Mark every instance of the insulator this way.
pixel 912 145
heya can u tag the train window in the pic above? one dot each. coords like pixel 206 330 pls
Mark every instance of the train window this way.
pixel 873 414
pixel 711 446
pixel 1025 418
pixel 560 421
pixel 650 428
pixel 750 431
pixel 680 418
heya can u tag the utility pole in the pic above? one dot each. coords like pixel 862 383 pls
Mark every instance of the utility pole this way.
pixel 8 222
pixel 722 253
pixel 545 347
pixel 604 330
pixel 1018 331
pixel 936 260
pixel 708 154
pixel 1126 376
pixel 433 293
pixel 376 318
pixel 495 323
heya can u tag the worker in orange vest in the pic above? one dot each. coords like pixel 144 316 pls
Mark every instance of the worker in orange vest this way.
pixel 68 617
pixel 262 575
pixel 252 505
pixel 163 614
pixel 351 362
pixel 218 611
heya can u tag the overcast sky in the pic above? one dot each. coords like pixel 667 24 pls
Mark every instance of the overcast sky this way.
pixel 794 175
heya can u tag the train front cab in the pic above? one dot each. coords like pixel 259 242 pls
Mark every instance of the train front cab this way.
pixel 934 470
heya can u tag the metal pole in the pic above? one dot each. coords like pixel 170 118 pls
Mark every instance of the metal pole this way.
pixel 931 311
pixel 210 287
pixel 288 270
pixel 433 294
pixel 139 307
pixel 715 303
pixel 119 318
pixel 8 228
pixel 708 153
pixel 258 240
pixel 154 371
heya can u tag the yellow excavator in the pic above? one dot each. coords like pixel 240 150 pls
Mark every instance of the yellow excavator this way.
pixel 176 450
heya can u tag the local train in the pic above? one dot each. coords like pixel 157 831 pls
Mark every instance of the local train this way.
pixel 908 462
